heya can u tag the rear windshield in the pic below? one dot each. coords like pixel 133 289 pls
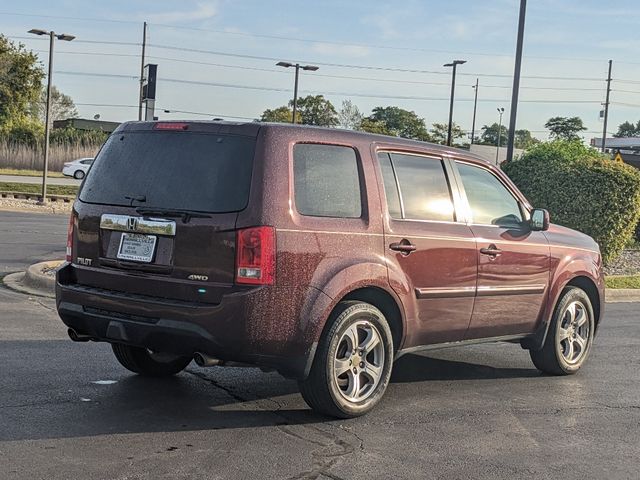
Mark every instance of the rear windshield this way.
pixel 179 170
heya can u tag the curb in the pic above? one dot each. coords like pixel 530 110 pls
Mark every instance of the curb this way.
pixel 619 295
pixel 33 281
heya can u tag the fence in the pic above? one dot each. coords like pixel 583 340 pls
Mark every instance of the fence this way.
pixel 20 156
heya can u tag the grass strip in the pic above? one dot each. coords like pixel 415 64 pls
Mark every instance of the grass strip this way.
pixel 36 188
pixel 622 281
pixel 29 173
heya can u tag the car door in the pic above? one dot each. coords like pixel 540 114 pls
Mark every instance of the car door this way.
pixel 428 246
pixel 513 260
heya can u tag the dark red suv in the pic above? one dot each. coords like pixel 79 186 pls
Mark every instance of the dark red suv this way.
pixel 322 253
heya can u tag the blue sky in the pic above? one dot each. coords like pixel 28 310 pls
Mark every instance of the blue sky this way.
pixel 567 46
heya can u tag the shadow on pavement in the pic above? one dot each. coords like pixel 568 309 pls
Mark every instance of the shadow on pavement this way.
pixel 49 392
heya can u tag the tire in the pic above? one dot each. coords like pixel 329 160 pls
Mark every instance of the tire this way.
pixel 365 376
pixel 144 362
pixel 78 175
pixel 570 335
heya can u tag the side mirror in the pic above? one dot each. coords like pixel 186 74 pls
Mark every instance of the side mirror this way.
pixel 539 219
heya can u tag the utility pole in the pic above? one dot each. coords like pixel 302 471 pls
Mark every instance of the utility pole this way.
pixel 606 109
pixel 516 82
pixel 144 47
pixel 475 105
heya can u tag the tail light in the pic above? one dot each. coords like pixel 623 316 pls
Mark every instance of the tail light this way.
pixel 72 221
pixel 256 256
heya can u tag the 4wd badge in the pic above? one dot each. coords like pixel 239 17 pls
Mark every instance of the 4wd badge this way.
pixel 202 278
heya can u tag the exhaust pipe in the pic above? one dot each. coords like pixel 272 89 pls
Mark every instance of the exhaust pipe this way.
pixel 204 360
pixel 78 337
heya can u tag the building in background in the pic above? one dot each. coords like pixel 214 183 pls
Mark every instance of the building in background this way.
pixel 627 147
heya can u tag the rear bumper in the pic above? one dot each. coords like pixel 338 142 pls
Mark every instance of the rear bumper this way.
pixel 246 327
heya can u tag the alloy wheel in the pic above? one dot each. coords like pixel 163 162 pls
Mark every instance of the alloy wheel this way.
pixel 573 333
pixel 359 361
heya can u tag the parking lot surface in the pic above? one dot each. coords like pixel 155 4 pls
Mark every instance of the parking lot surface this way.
pixel 70 410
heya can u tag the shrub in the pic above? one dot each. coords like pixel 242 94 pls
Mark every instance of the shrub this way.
pixel 582 190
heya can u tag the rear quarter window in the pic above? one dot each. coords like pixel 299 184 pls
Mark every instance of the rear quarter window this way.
pixel 326 181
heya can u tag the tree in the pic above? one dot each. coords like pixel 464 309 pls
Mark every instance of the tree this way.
pixel 316 110
pixel 628 129
pixel 62 106
pixel 374 126
pixel 20 81
pixel 523 139
pixel 565 128
pixel 349 116
pixel 439 133
pixel 490 134
pixel 399 122
pixel 281 114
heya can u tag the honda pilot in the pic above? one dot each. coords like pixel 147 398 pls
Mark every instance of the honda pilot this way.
pixel 324 254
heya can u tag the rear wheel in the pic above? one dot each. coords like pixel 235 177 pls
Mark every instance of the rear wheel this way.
pixel 79 174
pixel 570 335
pixel 146 362
pixel 352 365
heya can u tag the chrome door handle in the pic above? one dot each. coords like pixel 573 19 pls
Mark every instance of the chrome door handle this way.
pixel 405 247
pixel 491 250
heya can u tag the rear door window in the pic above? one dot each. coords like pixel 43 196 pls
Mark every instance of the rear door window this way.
pixel 423 187
pixel 180 170
pixel 326 181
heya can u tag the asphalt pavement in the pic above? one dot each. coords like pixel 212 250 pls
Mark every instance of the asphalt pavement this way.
pixel 38 180
pixel 70 411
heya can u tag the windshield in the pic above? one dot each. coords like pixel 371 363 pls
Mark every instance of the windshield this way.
pixel 176 170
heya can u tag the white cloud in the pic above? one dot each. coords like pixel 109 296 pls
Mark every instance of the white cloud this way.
pixel 202 11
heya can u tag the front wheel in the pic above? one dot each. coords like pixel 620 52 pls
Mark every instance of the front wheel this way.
pixel 352 365
pixel 570 335
pixel 148 363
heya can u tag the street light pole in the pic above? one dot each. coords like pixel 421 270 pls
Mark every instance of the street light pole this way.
pixel 453 64
pixel 311 68
pixel 295 94
pixel 500 111
pixel 52 36
pixel 475 105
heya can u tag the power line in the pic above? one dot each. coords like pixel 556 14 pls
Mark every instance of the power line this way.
pixel 330 64
pixel 310 40
pixel 318 92
pixel 60 17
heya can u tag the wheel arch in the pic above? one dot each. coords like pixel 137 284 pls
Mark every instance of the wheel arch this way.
pixel 580 280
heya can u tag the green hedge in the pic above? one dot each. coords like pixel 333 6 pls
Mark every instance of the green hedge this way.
pixel 582 190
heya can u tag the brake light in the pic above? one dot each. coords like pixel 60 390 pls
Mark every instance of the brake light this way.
pixel 256 256
pixel 70 228
pixel 170 126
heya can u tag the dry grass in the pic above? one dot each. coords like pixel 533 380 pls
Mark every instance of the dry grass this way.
pixel 21 157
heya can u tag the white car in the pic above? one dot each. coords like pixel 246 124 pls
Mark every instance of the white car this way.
pixel 78 168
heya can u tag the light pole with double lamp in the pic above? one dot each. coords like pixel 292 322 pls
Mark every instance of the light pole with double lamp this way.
pixel 453 64
pixel 52 37
pixel 501 112
pixel 297 66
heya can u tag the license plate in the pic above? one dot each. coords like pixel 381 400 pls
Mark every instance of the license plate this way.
pixel 137 247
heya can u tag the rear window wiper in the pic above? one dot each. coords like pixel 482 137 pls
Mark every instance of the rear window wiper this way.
pixel 186 215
